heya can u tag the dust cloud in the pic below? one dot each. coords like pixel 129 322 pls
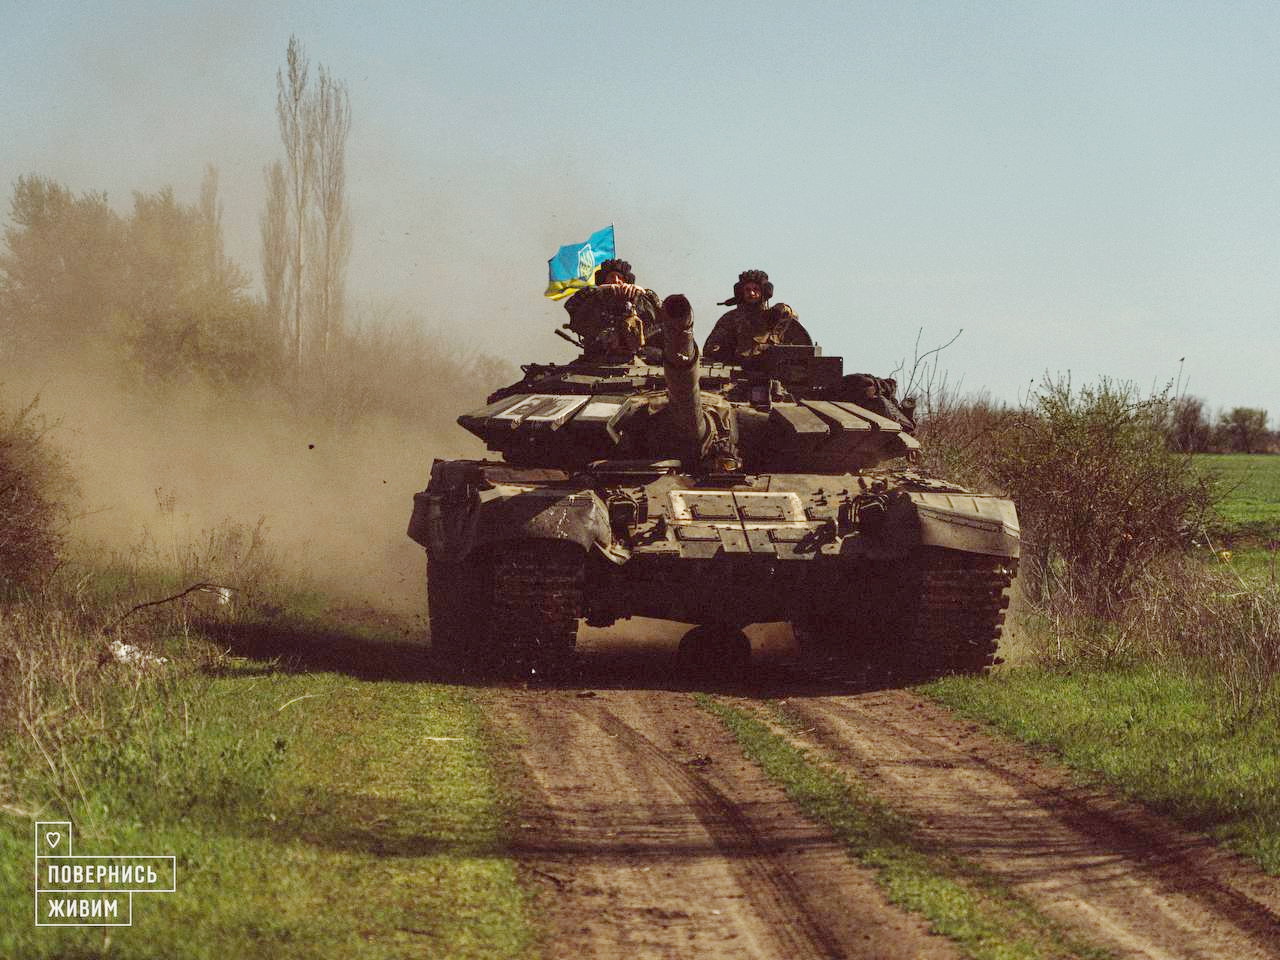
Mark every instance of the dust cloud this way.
pixel 334 503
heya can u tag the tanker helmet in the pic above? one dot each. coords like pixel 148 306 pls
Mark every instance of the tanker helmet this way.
pixel 620 267
pixel 753 276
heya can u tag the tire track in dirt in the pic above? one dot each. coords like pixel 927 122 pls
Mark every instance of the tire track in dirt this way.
pixel 652 836
pixel 772 891
pixel 1121 875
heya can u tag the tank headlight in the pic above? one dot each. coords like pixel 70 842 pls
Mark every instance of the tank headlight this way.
pixel 624 513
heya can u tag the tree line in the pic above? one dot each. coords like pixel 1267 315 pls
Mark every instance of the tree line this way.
pixel 152 290
pixel 1188 427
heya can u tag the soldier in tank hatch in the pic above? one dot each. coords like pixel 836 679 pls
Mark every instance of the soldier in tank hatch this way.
pixel 879 395
pixel 752 324
pixel 616 316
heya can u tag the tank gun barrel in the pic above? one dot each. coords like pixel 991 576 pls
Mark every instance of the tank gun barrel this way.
pixel 680 365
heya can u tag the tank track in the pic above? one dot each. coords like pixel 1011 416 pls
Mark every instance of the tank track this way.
pixel 536 599
pixel 456 595
pixel 954 621
pixel 512 612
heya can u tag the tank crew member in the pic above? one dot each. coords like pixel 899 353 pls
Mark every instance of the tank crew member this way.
pixel 616 316
pixel 752 325
pixel 879 395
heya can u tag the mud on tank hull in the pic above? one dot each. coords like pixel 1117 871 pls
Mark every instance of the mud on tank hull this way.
pixel 892 568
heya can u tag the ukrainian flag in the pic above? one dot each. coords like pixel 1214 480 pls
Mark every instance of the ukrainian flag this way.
pixel 574 266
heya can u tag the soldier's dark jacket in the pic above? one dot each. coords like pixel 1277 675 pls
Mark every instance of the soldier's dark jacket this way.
pixel 746 330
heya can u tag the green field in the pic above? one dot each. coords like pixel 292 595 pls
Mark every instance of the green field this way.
pixel 1248 524
pixel 1150 731
pixel 1250 484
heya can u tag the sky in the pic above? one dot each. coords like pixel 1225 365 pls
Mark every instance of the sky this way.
pixel 1087 188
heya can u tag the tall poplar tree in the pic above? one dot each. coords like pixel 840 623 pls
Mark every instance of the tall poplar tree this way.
pixel 306 229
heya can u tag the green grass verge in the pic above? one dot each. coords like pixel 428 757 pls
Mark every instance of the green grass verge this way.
pixel 1254 565
pixel 310 816
pixel 1251 482
pixel 1154 734
pixel 959 900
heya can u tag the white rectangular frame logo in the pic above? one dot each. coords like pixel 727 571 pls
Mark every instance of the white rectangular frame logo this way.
pixel 51 835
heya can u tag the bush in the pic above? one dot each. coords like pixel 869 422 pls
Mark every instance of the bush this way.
pixel 958 436
pixel 1099 493
pixel 35 490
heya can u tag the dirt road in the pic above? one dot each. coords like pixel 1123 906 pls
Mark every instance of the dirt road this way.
pixel 652 836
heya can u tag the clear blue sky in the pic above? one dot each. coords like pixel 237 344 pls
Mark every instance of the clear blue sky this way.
pixel 1084 187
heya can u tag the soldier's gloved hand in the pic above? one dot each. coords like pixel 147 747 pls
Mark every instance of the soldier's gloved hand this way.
pixel 620 291
pixel 677 313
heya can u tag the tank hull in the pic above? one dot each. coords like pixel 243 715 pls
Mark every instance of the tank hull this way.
pixel 890 566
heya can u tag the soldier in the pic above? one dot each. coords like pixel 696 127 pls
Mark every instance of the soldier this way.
pixel 616 316
pixel 879 395
pixel 752 325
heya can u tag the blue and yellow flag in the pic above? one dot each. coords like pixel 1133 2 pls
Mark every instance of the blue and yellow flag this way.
pixel 574 266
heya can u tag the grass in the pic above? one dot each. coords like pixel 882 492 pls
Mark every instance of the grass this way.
pixel 1246 534
pixel 1251 483
pixel 1257 565
pixel 959 900
pixel 310 811
pixel 1150 731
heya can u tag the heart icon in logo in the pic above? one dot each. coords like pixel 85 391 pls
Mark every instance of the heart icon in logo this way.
pixel 52 839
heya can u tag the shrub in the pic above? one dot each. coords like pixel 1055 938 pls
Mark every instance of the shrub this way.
pixel 35 490
pixel 1099 493
pixel 958 436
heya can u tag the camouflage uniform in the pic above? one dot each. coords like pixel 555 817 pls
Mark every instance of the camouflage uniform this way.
pixel 748 329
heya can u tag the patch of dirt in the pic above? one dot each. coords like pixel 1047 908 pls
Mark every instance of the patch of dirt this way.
pixel 1122 876
pixel 650 835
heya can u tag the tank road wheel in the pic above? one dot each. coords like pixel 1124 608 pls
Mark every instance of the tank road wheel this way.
pixel 950 614
pixel 714 651
pixel 537 599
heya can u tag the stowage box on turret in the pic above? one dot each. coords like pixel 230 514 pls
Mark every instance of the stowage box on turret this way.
pixel 637 481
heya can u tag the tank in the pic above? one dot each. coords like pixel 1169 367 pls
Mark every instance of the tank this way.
pixel 637 480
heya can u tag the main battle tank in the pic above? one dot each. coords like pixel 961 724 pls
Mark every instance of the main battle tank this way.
pixel 638 481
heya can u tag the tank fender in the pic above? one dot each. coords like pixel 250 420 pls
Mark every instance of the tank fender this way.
pixel 516 512
pixel 968 522
pixel 453 521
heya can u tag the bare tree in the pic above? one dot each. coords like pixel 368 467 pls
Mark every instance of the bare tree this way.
pixel 220 272
pixel 210 211
pixel 294 111
pixel 306 229
pixel 276 250
pixel 330 113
